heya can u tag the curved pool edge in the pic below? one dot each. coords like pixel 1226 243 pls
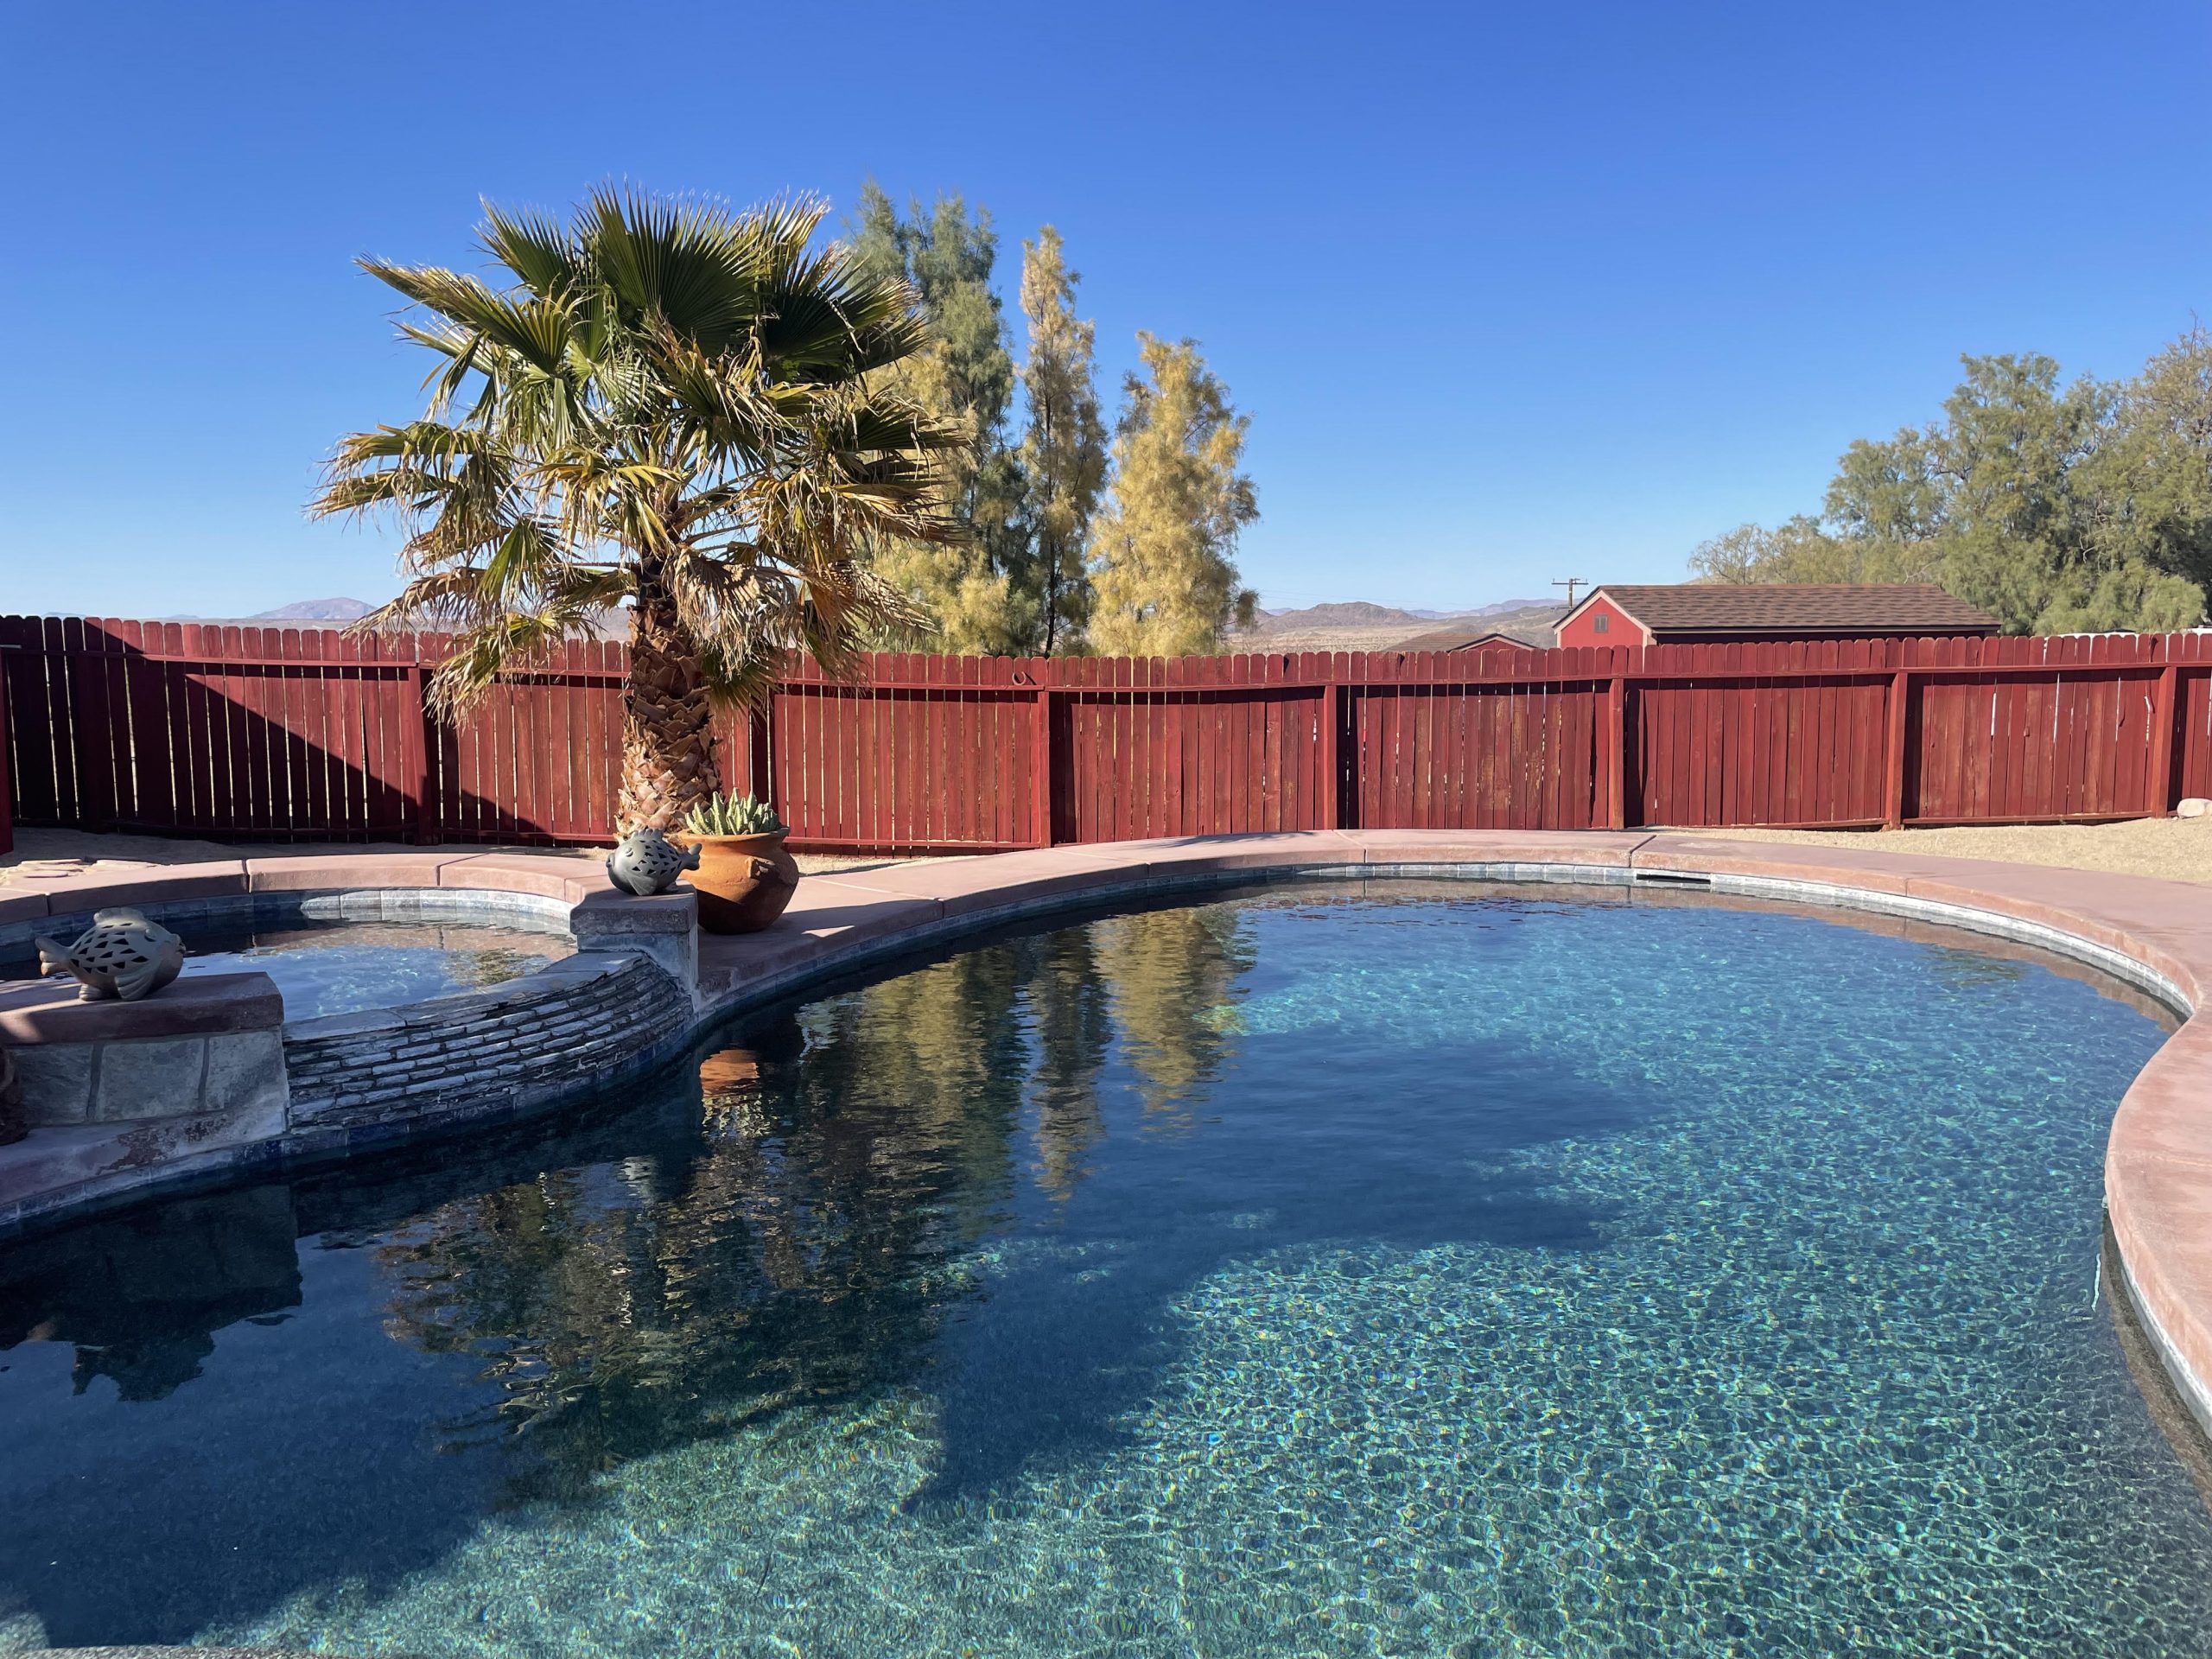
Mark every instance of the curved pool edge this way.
pixel 2154 935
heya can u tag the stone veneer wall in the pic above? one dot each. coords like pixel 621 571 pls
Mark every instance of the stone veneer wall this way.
pixel 490 1052
pixel 234 1071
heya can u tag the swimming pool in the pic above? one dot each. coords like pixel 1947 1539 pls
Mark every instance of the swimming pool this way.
pixel 1444 1273
pixel 346 967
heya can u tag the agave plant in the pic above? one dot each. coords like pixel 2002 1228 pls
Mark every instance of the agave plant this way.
pixel 732 815
pixel 662 406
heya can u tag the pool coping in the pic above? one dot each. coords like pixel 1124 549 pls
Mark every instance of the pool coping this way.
pixel 2152 934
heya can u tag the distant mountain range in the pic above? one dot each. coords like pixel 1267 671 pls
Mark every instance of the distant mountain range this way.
pixel 315 610
pixel 1352 625
pixel 1504 607
pixel 1357 625
pixel 333 612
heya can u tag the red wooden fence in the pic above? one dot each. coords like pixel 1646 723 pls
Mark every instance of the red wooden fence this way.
pixel 290 734
pixel 7 794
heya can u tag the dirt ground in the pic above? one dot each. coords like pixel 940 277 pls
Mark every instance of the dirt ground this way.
pixel 2179 850
pixel 45 854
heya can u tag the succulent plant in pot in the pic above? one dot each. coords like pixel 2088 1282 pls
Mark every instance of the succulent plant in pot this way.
pixel 745 876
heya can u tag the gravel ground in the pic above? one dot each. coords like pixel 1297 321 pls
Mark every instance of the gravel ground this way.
pixel 2179 850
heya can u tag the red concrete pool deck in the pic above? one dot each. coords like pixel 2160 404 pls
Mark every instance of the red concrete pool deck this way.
pixel 2158 1160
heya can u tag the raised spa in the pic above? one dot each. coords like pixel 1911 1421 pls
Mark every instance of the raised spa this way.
pixel 324 967
pixel 1427 1272
pixel 347 967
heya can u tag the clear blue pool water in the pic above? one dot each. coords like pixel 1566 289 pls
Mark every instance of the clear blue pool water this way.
pixel 1430 1274
pixel 346 967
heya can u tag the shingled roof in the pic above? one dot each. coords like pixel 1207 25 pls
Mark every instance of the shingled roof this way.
pixel 1468 639
pixel 1778 608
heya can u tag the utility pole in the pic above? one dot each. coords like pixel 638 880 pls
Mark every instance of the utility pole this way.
pixel 1571 584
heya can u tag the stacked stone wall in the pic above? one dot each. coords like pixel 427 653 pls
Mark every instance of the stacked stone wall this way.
pixel 484 1050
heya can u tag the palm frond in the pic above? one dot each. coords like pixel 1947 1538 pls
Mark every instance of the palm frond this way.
pixel 535 329
pixel 828 318
pixel 674 402
pixel 537 248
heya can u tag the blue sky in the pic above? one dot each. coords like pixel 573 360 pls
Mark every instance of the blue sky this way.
pixel 1511 293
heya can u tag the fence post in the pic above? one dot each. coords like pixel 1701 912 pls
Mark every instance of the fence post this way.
pixel 7 793
pixel 1616 759
pixel 1332 726
pixel 2160 782
pixel 1893 751
pixel 91 730
pixel 760 749
pixel 1043 761
pixel 415 762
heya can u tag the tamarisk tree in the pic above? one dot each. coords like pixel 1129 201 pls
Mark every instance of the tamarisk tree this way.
pixel 1063 447
pixel 1164 569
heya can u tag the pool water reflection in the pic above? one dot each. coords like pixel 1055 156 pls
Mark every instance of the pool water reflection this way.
pixel 1433 1273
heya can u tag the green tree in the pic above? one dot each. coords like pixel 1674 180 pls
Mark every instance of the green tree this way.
pixel 978 595
pixel 664 404
pixel 1063 448
pixel 2003 459
pixel 1799 549
pixel 2147 490
pixel 1165 573
pixel 2057 508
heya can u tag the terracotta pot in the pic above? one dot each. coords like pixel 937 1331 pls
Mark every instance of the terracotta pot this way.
pixel 743 881
pixel 768 1050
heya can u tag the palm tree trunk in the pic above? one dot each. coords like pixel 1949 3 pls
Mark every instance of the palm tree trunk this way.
pixel 668 749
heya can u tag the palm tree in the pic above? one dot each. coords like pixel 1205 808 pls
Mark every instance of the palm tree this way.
pixel 663 403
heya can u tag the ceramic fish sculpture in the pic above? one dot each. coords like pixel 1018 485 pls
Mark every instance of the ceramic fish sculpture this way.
pixel 648 862
pixel 121 956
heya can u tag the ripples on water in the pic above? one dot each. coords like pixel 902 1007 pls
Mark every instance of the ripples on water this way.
pixel 1447 1276
pixel 348 967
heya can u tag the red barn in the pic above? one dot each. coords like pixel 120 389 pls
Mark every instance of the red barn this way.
pixel 1708 612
